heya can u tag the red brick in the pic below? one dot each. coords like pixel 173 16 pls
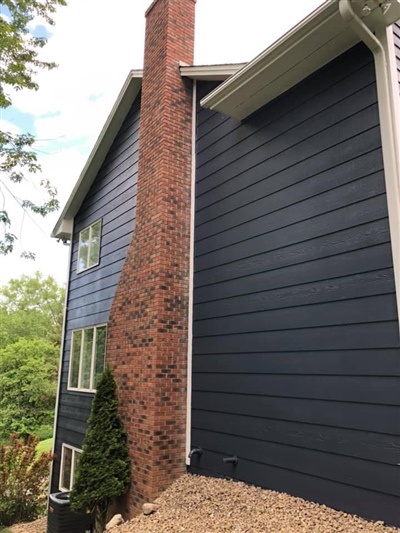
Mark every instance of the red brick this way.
pixel 148 358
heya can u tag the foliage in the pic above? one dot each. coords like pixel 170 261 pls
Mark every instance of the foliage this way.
pixel 103 470
pixel 44 446
pixel 19 63
pixel 31 307
pixel 23 480
pixel 28 382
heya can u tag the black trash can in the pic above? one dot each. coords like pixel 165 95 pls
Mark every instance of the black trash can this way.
pixel 61 519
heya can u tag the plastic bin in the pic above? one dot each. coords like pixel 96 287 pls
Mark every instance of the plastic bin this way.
pixel 61 519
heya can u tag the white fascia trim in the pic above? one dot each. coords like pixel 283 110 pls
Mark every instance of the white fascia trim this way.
pixel 60 366
pixel 191 278
pixel 210 72
pixel 313 43
pixel 273 53
pixel 110 129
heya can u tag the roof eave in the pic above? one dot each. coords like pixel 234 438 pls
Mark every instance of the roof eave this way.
pixel 210 72
pixel 126 97
pixel 313 43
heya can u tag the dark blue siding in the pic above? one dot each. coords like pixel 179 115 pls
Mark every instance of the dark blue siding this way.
pixel 296 358
pixel 112 198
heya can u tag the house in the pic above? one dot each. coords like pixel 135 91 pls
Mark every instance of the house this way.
pixel 235 239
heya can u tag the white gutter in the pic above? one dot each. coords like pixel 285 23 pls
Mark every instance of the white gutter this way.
pixel 210 72
pixel 388 104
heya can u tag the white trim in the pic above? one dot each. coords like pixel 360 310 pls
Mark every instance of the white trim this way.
pixel 120 109
pixel 191 276
pixel 379 44
pixel 74 451
pixel 94 327
pixel 210 72
pixel 60 364
pixel 313 43
pixel 90 227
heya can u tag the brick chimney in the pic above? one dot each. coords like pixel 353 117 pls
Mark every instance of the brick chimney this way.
pixel 148 327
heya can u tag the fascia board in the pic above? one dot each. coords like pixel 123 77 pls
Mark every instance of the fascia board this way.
pixel 314 42
pixel 125 99
pixel 286 51
pixel 210 72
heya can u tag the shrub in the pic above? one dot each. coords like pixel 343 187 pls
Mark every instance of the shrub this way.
pixel 23 480
pixel 103 469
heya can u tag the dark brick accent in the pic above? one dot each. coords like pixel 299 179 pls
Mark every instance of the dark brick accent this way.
pixel 148 327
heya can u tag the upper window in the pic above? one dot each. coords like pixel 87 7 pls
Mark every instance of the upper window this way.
pixel 89 247
pixel 69 458
pixel 88 350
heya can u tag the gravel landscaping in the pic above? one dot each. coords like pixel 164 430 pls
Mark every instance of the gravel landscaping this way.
pixel 195 504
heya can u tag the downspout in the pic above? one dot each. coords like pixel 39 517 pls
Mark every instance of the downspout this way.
pixel 388 103
pixel 191 277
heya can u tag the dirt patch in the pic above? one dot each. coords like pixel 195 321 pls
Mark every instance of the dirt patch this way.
pixel 195 504
pixel 38 526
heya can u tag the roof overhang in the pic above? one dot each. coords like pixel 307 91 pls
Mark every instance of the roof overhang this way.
pixel 128 94
pixel 314 42
pixel 210 72
pixel 64 227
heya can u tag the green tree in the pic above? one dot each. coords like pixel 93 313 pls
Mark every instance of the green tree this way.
pixel 19 63
pixel 103 470
pixel 31 307
pixel 28 384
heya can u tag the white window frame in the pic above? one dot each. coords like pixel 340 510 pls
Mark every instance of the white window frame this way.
pixel 93 358
pixel 73 463
pixel 79 270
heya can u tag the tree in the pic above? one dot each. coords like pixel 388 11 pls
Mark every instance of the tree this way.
pixel 31 307
pixel 28 385
pixel 103 470
pixel 19 62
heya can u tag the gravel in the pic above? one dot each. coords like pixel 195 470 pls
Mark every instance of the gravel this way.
pixel 195 504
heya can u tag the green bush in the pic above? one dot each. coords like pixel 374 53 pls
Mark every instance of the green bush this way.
pixel 24 479
pixel 103 469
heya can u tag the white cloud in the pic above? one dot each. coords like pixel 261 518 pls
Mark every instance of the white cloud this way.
pixel 10 127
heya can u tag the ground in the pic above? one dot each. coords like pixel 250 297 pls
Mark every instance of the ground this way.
pixel 195 504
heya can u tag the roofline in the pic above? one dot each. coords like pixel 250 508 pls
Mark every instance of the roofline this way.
pixel 126 97
pixel 129 92
pixel 210 72
pixel 310 45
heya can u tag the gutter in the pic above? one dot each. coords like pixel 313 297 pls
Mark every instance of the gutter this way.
pixel 389 104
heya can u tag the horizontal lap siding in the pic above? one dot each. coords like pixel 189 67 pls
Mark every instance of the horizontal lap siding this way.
pixel 296 358
pixel 112 198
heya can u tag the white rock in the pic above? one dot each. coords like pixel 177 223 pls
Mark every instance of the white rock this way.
pixel 116 520
pixel 149 508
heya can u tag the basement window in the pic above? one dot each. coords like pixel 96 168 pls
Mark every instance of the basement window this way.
pixel 88 352
pixel 69 458
pixel 89 247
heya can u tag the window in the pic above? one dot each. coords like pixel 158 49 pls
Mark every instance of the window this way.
pixel 88 352
pixel 69 458
pixel 89 247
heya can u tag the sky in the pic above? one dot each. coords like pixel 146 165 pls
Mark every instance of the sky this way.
pixel 95 44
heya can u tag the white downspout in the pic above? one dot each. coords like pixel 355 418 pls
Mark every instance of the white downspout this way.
pixel 191 276
pixel 388 103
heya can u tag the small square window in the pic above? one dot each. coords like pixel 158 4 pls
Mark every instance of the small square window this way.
pixel 69 459
pixel 88 353
pixel 89 247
